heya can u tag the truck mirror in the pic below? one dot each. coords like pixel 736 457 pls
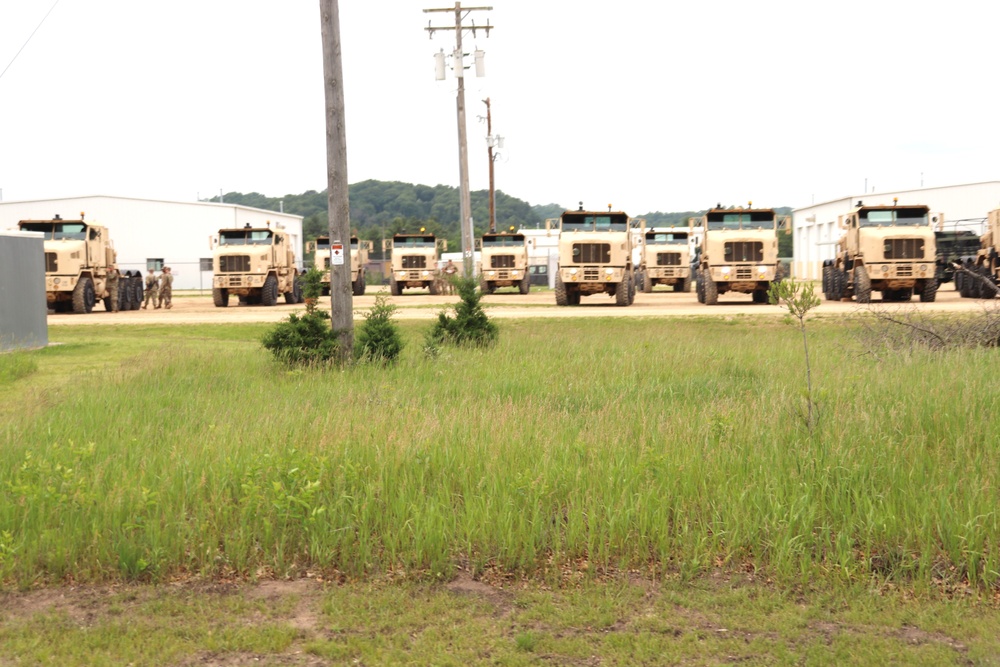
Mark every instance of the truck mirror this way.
pixel 386 245
pixel 310 246
pixel 841 223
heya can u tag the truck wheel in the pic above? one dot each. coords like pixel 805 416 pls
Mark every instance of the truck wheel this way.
pixel 269 292
pixel 573 296
pixel 759 296
pixel 394 287
pixel 359 284
pixel 631 290
pixel 138 293
pixel 647 283
pixel 928 292
pixel 862 285
pixel 292 296
pixel 699 286
pixel 711 291
pixel 562 298
pixel 525 285
pixel 220 297
pixel 432 287
pixel 826 282
pixel 622 290
pixel 686 284
pixel 83 296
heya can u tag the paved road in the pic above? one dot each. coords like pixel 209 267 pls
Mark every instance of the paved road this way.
pixel 420 306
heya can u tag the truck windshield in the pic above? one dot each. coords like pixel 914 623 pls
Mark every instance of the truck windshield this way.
pixel 413 242
pixel 594 223
pixel 506 241
pixel 354 244
pixel 667 238
pixel 55 231
pixel 913 217
pixel 323 243
pixel 246 237
pixel 741 220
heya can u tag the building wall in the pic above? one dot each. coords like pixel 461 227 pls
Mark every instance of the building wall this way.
pixel 22 291
pixel 816 231
pixel 143 229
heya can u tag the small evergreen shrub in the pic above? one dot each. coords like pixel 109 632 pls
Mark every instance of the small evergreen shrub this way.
pixel 379 340
pixel 305 340
pixel 469 327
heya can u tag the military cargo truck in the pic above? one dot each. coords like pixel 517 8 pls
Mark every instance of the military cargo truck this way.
pixel 414 261
pixel 359 258
pixel 256 264
pixel 666 260
pixel 77 257
pixel 595 257
pixel 984 265
pixel 953 246
pixel 504 261
pixel 738 252
pixel 889 249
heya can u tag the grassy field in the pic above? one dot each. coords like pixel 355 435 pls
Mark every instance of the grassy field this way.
pixel 653 446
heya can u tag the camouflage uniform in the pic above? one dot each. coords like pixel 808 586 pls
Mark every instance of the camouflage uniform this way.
pixel 166 280
pixel 152 289
pixel 112 283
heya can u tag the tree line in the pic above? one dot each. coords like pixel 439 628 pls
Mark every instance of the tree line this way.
pixel 380 209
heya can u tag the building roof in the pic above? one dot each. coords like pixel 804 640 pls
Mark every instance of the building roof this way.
pixel 157 201
pixel 891 192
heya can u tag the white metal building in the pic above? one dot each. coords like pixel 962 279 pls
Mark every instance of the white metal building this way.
pixel 816 232
pixel 149 232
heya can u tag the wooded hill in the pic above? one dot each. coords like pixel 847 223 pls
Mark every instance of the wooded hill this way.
pixel 380 209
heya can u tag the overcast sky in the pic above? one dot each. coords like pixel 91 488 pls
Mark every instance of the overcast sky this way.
pixel 646 105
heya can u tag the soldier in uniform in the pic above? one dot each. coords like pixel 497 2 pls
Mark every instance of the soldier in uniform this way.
pixel 166 280
pixel 152 290
pixel 449 270
pixel 112 282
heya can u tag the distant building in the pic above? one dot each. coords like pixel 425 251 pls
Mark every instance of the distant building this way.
pixel 152 233
pixel 815 230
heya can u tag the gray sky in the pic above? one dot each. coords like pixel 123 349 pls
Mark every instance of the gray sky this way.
pixel 656 105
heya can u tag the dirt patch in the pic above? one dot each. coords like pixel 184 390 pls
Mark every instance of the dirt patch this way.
pixel 464 584
pixel 307 592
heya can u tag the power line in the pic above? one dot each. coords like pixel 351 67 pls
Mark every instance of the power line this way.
pixel 29 38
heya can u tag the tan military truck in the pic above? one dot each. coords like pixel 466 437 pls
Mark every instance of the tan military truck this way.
pixel 595 257
pixel 666 260
pixel 256 264
pixel 985 264
pixel 359 258
pixel 414 261
pixel 503 261
pixel 737 252
pixel 890 249
pixel 77 257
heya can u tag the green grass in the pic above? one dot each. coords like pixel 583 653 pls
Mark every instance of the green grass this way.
pixel 572 449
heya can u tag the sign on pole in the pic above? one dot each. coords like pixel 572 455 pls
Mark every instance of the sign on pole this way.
pixel 337 254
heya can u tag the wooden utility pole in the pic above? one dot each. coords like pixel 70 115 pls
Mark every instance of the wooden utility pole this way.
pixel 465 203
pixel 489 146
pixel 341 297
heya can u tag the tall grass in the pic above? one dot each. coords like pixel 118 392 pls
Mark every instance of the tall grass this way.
pixel 667 446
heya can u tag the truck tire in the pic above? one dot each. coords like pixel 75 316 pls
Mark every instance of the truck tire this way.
pixel 631 289
pixel 711 291
pixel 647 282
pixel 525 285
pixel 862 284
pixel 394 287
pixel 562 298
pixel 359 284
pixel 759 296
pixel 83 296
pixel 138 293
pixel 220 297
pixel 432 287
pixel 986 290
pixel 928 291
pixel 292 296
pixel 269 292
pixel 622 290
pixel 685 285
pixel 699 286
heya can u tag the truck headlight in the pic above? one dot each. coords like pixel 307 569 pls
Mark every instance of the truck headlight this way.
pixel 401 274
pixel 513 273
pixel 492 273
pixel 55 281
pixel 885 268
pixel 923 267
pixel 724 270
pixel 572 272
pixel 609 271
pixel 426 273
pixel 761 269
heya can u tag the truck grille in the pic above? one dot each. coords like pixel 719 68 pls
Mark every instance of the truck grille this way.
pixel 51 264
pixel 235 281
pixel 502 262
pixel 591 273
pixel 904 271
pixel 234 264
pixel 744 272
pixel 904 249
pixel 668 259
pixel 414 262
pixel 744 251
pixel 592 253
pixel 413 275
